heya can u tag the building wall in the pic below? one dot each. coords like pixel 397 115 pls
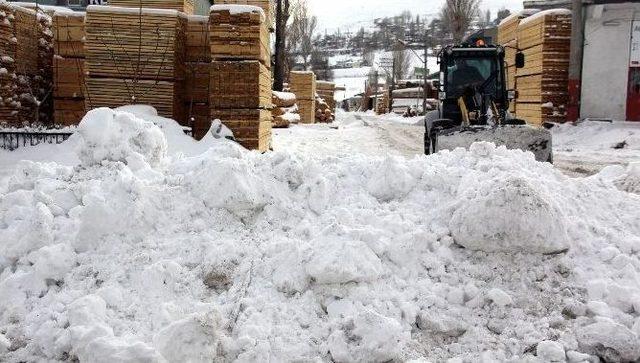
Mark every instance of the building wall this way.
pixel 605 67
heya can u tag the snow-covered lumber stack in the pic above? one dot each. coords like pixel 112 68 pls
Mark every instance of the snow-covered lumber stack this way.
pixel 542 84
pixel 9 103
pixel 69 87
pixel 240 80
pixel 185 6
pixel 285 110
pixel 326 90
pixel 239 32
pixel 323 112
pixel 43 80
pixel 382 105
pixel 303 85
pixel 135 56
pixel 197 68
pixel 508 38
pixel 265 5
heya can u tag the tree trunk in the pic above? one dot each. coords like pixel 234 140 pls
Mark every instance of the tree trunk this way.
pixel 282 15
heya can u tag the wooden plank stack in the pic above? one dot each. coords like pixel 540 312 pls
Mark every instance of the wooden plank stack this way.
pixel 265 5
pixel 303 85
pixel 44 77
pixel 9 103
pixel 508 38
pixel 185 6
pixel 197 69
pixel 69 88
pixel 135 56
pixel 542 84
pixel 326 91
pixel 240 80
pixel 239 32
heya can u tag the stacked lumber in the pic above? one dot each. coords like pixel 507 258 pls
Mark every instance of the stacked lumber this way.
pixel 185 6
pixel 9 105
pixel 303 85
pixel 197 69
pixel 326 91
pixel 285 110
pixel 239 78
pixel 323 112
pixel 382 105
pixel 508 38
pixel 239 32
pixel 544 38
pixel 44 78
pixel 135 55
pixel 265 5
pixel 69 87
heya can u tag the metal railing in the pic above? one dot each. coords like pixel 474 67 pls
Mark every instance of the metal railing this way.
pixel 11 140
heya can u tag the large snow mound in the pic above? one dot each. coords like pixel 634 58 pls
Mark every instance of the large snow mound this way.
pixel 214 253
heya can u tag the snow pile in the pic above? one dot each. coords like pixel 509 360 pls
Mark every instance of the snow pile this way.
pixel 229 255
pixel 108 135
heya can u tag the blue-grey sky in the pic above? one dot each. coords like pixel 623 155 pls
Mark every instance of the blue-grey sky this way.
pixel 353 13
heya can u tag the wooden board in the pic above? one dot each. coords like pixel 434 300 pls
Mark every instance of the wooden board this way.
pixel 236 85
pixel 114 92
pixel 197 35
pixel 196 85
pixel 26 25
pixel 536 113
pixel 68 77
pixel 185 6
pixel 544 29
pixel 128 43
pixel 68 112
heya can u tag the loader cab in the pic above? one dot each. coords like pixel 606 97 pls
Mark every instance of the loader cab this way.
pixel 468 71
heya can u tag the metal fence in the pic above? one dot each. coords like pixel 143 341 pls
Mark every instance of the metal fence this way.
pixel 11 140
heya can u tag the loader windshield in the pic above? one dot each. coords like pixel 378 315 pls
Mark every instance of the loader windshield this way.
pixel 465 72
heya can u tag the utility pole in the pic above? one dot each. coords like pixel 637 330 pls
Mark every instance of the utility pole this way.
pixel 575 61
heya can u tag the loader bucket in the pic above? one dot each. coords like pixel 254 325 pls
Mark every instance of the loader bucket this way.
pixel 523 137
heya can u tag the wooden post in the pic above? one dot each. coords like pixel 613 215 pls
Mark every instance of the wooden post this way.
pixel 575 61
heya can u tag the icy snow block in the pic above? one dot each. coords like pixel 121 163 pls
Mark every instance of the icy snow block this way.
pixel 610 340
pixel 118 136
pixel 508 215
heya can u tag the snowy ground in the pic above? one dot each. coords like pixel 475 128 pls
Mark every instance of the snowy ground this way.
pixel 345 244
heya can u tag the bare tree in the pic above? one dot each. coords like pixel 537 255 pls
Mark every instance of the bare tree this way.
pixel 401 63
pixel 302 28
pixel 282 17
pixel 456 16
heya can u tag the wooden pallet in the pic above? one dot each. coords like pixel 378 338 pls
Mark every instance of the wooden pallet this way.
pixel 237 85
pixel 303 84
pixel 265 5
pixel 185 6
pixel 69 34
pixel 115 92
pixel 132 43
pixel 68 77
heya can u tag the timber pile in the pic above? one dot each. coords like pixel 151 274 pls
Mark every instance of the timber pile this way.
pixel 265 5
pixel 239 76
pixel 323 112
pixel 543 83
pixel 508 38
pixel 285 110
pixel 69 88
pixel 185 6
pixel 9 103
pixel 197 69
pixel 303 85
pixel 382 105
pixel 128 51
pixel 239 32
pixel 326 91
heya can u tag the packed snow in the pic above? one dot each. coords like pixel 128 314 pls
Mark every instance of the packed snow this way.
pixel 141 245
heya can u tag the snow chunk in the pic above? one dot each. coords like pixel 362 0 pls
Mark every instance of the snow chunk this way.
pixel 499 297
pixel 193 339
pixel 369 337
pixel 111 135
pixel 550 351
pixel 338 260
pixel 613 340
pixel 508 215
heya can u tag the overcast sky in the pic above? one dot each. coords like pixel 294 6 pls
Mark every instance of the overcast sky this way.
pixel 352 13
